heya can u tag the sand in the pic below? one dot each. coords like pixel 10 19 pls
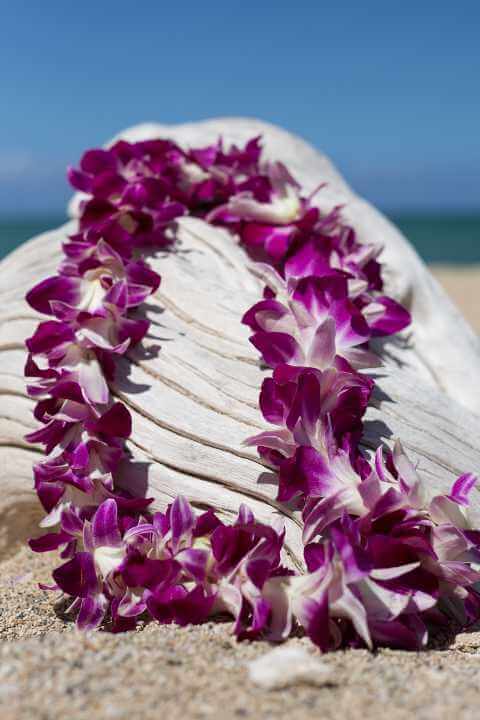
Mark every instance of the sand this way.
pixel 48 670
pixel 463 285
pixel 197 673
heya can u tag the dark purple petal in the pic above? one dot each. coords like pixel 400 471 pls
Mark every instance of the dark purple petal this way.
pixel 97 160
pixel 79 180
pixel 310 258
pixel 116 422
pixel 307 405
pixel 161 603
pixel 276 348
pixel 193 608
pixel 140 274
pixel 50 541
pixel 393 319
pixel 397 634
pixel 77 577
pixel 49 494
pixel 315 556
pixel 258 570
pixel 206 523
pixel 65 289
pixel 276 400
pixel 134 330
pixel 49 335
pixel 140 571
pixel 314 617
pixel 108 184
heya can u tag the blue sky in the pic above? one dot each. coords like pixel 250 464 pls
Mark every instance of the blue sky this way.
pixel 390 90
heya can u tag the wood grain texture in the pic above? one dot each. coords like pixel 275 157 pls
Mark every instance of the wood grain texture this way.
pixel 192 387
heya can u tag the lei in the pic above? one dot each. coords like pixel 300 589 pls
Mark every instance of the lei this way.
pixel 382 562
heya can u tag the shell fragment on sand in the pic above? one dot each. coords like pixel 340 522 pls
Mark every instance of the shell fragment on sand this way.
pixel 287 666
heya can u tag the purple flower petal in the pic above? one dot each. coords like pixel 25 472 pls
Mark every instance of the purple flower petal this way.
pixel 322 350
pixel 77 577
pixel 92 612
pixel 96 161
pixel 49 335
pixel 79 180
pixel 66 289
pixel 161 603
pixel 313 615
pixel 307 473
pixel 392 320
pixel 50 541
pixel 193 608
pixel 116 422
pixel 194 562
pixel 276 348
pixel 276 400
pixel 462 488
pixel 182 521
pixel 105 525
pixel 140 571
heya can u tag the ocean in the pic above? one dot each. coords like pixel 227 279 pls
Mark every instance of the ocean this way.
pixel 452 239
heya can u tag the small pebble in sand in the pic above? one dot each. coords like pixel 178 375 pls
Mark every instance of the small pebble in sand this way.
pixel 286 666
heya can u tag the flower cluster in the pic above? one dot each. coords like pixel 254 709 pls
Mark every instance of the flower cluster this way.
pixel 383 560
pixel 176 566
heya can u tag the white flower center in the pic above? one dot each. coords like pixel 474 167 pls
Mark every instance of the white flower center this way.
pixel 107 559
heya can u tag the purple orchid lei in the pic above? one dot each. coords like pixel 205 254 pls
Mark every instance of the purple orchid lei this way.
pixel 383 562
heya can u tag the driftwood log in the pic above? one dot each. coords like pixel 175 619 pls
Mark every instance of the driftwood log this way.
pixel 192 388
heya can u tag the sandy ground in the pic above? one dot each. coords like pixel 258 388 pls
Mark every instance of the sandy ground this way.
pixel 463 286
pixel 49 671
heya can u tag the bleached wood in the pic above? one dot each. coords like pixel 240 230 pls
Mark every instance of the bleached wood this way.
pixel 193 386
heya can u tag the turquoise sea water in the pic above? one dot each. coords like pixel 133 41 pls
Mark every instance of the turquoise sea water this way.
pixel 439 238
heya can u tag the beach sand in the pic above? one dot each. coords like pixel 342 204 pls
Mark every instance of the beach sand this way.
pixel 462 283
pixel 48 670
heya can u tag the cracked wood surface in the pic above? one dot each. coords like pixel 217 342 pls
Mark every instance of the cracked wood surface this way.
pixel 192 387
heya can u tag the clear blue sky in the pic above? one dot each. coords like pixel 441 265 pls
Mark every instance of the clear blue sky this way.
pixel 390 90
